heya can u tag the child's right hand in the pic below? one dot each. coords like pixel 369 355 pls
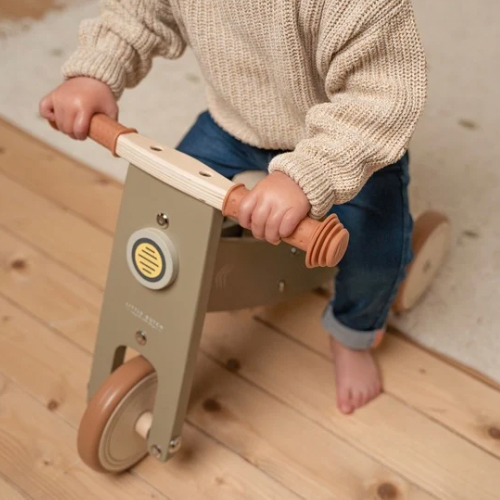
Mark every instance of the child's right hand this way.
pixel 72 105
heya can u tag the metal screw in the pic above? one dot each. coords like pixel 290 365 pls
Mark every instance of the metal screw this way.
pixel 162 220
pixel 155 451
pixel 141 337
pixel 281 286
pixel 293 250
pixel 175 444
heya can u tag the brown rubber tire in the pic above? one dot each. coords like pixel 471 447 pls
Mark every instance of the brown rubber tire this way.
pixel 431 242
pixel 114 409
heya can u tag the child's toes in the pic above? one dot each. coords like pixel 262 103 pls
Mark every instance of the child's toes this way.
pixel 358 398
pixel 344 400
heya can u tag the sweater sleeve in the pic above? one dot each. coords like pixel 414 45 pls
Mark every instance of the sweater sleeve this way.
pixel 118 47
pixel 376 87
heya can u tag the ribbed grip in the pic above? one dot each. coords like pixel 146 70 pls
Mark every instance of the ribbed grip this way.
pixel 105 131
pixel 325 242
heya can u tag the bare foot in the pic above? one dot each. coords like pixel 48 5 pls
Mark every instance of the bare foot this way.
pixel 357 376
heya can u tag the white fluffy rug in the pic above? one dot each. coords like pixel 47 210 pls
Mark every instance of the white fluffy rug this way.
pixel 455 151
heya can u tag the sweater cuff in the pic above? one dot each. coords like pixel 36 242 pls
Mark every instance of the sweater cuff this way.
pixel 98 65
pixel 315 183
pixel 324 184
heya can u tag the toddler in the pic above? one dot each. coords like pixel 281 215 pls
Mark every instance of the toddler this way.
pixel 322 94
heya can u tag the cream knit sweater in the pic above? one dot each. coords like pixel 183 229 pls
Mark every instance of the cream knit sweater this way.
pixel 340 83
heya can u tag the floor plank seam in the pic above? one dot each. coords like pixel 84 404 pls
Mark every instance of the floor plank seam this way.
pixel 34 396
pixel 89 353
pixel 57 414
pixel 453 431
pixel 42 323
pixel 416 346
pixel 105 231
pixel 61 206
pixel 67 208
pixel 250 382
pixel 15 486
pixel 443 358
pixel 75 163
pixel 222 444
pixel 391 394
pixel 55 203
pixel 50 257
pixel 395 396
pixel 161 496
pixel 255 317
pixel 436 355
pixel 319 424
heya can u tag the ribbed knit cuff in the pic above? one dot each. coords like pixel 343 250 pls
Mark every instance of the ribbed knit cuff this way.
pixel 307 173
pixel 94 64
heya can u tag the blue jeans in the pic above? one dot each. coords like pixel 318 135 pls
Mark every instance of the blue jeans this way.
pixel 378 220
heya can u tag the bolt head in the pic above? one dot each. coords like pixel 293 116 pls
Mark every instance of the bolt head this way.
pixel 281 286
pixel 162 220
pixel 175 444
pixel 141 337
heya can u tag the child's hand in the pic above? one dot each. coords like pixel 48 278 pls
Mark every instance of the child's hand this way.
pixel 73 104
pixel 273 208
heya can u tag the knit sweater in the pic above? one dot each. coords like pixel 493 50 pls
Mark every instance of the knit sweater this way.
pixel 338 84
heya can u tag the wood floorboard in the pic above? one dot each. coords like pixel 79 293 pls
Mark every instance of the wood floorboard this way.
pixel 271 429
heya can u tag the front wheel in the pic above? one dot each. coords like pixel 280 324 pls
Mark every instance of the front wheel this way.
pixel 108 437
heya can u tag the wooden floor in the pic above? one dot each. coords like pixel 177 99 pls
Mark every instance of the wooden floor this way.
pixel 262 422
pixel 30 9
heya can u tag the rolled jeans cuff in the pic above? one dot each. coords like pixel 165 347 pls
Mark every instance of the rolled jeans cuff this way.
pixel 353 339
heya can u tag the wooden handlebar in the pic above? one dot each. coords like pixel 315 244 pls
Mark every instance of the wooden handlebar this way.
pixel 324 242
pixel 105 131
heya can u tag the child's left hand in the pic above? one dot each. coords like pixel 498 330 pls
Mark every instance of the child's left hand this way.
pixel 273 208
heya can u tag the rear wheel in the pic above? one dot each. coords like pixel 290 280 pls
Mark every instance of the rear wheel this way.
pixel 431 242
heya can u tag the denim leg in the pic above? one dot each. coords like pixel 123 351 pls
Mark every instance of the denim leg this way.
pixel 380 226
pixel 222 152
pixel 378 220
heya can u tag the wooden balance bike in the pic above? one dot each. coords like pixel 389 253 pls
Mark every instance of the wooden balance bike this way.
pixel 177 254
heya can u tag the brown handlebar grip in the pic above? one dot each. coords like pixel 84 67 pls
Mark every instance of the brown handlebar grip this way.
pixel 105 131
pixel 325 242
